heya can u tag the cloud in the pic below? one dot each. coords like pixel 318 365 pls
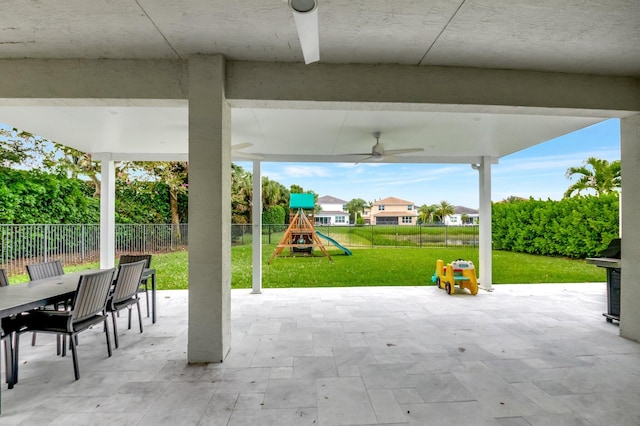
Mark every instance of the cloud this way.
pixel 301 171
pixel 560 162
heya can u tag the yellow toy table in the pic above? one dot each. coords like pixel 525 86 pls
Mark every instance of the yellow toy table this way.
pixel 460 272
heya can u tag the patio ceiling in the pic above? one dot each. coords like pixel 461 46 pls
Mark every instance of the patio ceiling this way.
pixel 545 36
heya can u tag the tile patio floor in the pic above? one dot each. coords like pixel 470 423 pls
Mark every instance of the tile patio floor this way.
pixel 521 355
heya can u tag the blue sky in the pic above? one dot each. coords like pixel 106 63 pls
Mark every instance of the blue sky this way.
pixel 537 172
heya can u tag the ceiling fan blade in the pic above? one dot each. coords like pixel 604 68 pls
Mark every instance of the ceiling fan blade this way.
pixel 368 157
pixel 246 156
pixel 239 146
pixel 402 151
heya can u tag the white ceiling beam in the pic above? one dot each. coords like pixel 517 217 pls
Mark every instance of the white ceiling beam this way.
pixel 372 84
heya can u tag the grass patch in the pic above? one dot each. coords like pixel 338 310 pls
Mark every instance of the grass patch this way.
pixel 370 267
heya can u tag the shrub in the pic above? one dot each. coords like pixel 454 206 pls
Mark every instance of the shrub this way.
pixel 575 227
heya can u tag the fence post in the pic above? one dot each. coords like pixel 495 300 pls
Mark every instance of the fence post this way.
pixel 446 235
pixel 83 236
pixel 45 247
pixel 420 236
pixel 371 227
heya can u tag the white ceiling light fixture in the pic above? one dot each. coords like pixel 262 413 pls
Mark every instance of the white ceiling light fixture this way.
pixel 305 15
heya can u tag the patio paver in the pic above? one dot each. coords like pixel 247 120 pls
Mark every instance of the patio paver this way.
pixel 520 355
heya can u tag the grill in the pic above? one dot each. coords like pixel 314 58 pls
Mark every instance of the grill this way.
pixel 609 258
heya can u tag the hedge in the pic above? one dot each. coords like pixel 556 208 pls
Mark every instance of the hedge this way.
pixel 575 227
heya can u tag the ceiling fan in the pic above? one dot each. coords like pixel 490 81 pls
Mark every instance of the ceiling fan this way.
pixel 236 152
pixel 378 153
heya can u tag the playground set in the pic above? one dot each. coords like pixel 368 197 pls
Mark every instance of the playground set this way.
pixel 460 272
pixel 301 238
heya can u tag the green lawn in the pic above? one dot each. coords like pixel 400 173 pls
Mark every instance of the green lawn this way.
pixel 372 266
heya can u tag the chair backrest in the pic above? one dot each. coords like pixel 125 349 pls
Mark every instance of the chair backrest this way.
pixel 4 281
pixel 132 258
pixel 38 271
pixel 128 281
pixel 92 294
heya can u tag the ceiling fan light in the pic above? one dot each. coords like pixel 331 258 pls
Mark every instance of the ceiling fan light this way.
pixel 303 6
pixel 305 15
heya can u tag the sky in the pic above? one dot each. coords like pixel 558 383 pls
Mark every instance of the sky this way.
pixel 537 172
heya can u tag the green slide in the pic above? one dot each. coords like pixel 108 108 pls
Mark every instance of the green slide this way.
pixel 335 243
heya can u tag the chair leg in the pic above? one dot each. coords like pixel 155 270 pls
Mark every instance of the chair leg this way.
pixel 106 333
pixel 33 340
pixel 115 329
pixel 139 314
pixel 74 355
pixel 129 308
pixel 146 296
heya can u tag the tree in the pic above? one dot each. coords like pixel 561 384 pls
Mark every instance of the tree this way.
pixel 426 214
pixel 595 174
pixel 241 194
pixel 443 210
pixel 12 148
pixel 174 174
pixel 355 207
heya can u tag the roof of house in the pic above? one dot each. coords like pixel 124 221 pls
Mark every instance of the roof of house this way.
pixel 464 210
pixel 328 199
pixel 392 200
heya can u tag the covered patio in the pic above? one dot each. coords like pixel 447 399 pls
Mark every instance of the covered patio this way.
pixel 467 81
pixel 522 355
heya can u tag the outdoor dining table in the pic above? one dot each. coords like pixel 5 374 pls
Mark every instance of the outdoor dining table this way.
pixel 18 298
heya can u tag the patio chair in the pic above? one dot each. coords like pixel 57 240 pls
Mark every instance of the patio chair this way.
pixel 88 308
pixel 125 293
pixel 38 271
pixel 131 258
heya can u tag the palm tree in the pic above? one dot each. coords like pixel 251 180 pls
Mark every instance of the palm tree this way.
pixel 426 213
pixel 596 174
pixel 355 206
pixel 443 210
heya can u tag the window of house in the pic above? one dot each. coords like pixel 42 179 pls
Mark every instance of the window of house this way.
pixel 409 207
pixel 341 219
pixel 407 219
pixel 381 207
pixel 453 219
pixel 322 220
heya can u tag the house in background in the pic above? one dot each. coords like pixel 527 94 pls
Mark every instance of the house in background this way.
pixel 332 211
pixel 462 216
pixel 391 211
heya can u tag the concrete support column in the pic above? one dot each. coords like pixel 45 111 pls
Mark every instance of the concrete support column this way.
pixel 630 286
pixel 209 211
pixel 107 210
pixel 256 228
pixel 486 278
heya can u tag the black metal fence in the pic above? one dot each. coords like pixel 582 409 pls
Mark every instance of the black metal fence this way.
pixel 75 244
pixel 373 235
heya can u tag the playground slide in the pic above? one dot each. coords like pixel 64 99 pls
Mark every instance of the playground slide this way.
pixel 335 243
